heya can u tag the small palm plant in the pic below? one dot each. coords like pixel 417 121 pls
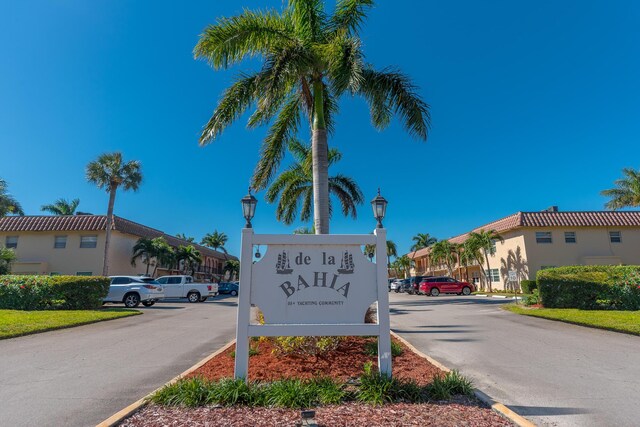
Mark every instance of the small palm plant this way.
pixel 627 191
pixel 483 242
pixel 62 207
pixel 295 186
pixel 110 172
pixel 444 253
pixel 144 249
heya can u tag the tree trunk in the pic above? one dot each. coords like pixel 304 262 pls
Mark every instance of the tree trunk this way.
pixel 488 271
pixel 320 154
pixel 107 241
pixel 148 262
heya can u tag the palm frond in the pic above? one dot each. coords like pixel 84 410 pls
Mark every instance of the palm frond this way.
pixel 349 15
pixel 309 19
pixel 390 91
pixel 249 34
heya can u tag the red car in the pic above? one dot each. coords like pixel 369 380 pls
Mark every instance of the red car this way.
pixel 435 286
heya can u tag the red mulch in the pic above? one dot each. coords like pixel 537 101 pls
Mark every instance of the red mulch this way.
pixel 344 363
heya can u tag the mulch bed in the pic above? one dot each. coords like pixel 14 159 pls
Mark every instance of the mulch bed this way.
pixel 344 363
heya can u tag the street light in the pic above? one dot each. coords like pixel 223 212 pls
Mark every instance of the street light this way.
pixel 249 207
pixel 379 205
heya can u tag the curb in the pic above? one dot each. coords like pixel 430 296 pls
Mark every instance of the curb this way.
pixel 498 407
pixel 114 419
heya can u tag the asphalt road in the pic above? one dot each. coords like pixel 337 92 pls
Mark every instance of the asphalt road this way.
pixel 81 376
pixel 551 372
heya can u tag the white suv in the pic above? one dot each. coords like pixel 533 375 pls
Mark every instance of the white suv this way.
pixel 132 290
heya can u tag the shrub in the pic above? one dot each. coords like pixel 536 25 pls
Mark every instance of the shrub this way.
pixel 376 388
pixel 532 299
pixel 371 348
pixel 52 292
pixel 590 287
pixel 305 346
pixel 452 383
pixel 528 286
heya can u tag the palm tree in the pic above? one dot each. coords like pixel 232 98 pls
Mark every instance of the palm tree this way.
pixel 304 230
pixel 485 241
pixel 421 241
pixel 190 256
pixel 310 59
pixel 233 267
pixel 185 237
pixel 295 185
pixel 405 263
pixel 109 172
pixel 164 253
pixel 465 257
pixel 215 241
pixel 392 250
pixel 627 191
pixel 370 251
pixel 145 249
pixel 8 204
pixel 62 207
pixel 444 252
pixel 7 257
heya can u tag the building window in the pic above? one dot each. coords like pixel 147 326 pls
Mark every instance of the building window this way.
pixel 543 237
pixel 88 241
pixel 11 242
pixel 84 273
pixel 569 236
pixel 493 274
pixel 493 248
pixel 614 237
pixel 60 242
pixel 475 276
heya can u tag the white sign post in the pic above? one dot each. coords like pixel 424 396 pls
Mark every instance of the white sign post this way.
pixel 312 285
pixel 513 278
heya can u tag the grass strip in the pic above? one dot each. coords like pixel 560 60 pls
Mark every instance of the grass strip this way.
pixel 14 323
pixel 613 320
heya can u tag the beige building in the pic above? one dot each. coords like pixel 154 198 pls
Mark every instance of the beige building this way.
pixel 537 240
pixel 74 245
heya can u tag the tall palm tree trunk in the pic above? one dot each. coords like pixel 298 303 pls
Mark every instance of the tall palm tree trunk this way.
pixel 320 156
pixel 107 241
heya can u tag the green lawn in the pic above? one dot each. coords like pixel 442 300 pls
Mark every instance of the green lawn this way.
pixel 14 323
pixel 619 321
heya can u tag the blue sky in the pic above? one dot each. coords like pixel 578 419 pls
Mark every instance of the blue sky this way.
pixel 534 103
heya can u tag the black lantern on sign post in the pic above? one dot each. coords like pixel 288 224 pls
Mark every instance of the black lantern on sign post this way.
pixel 249 207
pixel 379 205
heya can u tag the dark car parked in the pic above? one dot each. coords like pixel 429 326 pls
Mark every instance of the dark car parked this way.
pixel 228 288
pixel 414 284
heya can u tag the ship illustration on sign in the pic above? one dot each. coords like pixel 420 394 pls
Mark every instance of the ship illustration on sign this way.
pixel 282 266
pixel 346 266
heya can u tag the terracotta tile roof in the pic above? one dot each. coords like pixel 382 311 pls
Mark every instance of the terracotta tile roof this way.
pixel 95 223
pixel 547 219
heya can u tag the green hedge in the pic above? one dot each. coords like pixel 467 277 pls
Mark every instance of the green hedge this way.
pixel 52 292
pixel 590 287
pixel 528 286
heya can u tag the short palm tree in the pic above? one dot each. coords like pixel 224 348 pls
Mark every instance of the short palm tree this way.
pixel 62 207
pixel 215 240
pixel 164 253
pixel 7 257
pixel 309 60
pixel 8 204
pixel 295 185
pixel 444 253
pixel 185 237
pixel 190 256
pixel 370 251
pixel 484 241
pixel 404 263
pixel 110 172
pixel 233 267
pixel 627 191
pixel 144 249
